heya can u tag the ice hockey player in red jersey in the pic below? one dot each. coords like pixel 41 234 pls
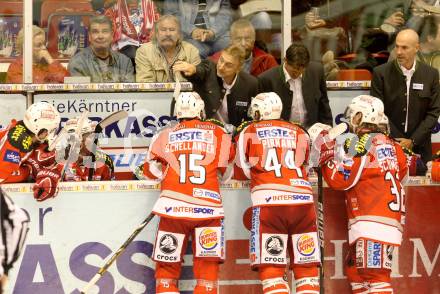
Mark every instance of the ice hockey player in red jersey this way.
pixel 188 158
pixel 369 166
pixel 273 154
pixel 19 140
pixel 79 169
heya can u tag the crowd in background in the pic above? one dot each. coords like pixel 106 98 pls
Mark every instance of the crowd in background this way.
pixel 340 34
pixel 220 46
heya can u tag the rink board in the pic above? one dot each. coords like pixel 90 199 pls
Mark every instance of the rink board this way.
pixel 126 141
pixel 72 235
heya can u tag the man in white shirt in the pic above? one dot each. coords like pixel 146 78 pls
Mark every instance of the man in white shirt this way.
pixel 410 92
pixel 226 89
pixel 301 86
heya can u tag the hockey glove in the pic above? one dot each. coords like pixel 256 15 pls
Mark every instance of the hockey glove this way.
pixel 39 160
pixel 46 184
pixel 326 146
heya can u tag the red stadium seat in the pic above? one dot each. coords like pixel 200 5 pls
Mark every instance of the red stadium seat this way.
pixel 353 75
pixel 347 57
pixel 52 6
pixel 11 7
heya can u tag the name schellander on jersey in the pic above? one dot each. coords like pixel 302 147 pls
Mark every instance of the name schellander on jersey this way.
pixel 192 152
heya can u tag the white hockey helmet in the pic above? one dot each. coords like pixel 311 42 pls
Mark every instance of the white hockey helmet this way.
pixel 384 124
pixel 88 126
pixel 268 105
pixel 372 110
pixel 189 105
pixel 41 116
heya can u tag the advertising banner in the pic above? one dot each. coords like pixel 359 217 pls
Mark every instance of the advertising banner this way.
pixel 12 106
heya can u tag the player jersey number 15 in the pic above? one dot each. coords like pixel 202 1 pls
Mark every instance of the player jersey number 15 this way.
pixel 188 162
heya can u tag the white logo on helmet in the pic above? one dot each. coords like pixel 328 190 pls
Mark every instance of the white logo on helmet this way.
pixel 268 105
pixel 189 105
pixel 372 110
pixel 41 116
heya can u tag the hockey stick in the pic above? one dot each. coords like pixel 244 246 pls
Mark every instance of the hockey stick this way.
pixel 114 117
pixel 321 229
pixel 77 139
pixel 332 134
pixel 121 249
pixel 176 93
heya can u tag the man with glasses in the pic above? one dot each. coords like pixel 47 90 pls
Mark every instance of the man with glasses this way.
pixel 154 60
pixel 98 61
pixel 224 87
pixel 256 61
pixel 301 86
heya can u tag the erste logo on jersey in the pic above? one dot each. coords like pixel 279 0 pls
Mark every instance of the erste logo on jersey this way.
pixel 306 245
pixel 208 239
pixel 385 151
pixel 386 157
pixel 12 156
pixel 275 133
pixel 191 135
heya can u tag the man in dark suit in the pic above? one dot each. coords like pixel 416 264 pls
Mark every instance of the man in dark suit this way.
pixel 301 86
pixel 215 82
pixel 410 92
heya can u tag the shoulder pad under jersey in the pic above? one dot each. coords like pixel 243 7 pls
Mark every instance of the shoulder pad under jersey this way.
pixel 215 121
pixel 242 126
pixel 360 147
pixel 19 138
pixel 300 126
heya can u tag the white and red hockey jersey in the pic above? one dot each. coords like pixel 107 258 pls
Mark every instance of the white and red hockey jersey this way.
pixel 274 155
pixel 15 145
pixel 187 158
pixel 370 172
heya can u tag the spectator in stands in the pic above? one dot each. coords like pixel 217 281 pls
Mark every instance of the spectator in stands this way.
pixel 257 61
pixel 405 83
pixel 429 33
pixel 301 86
pixel 225 88
pixel 98 61
pixel 154 60
pixel 205 23
pixel 429 52
pixel 140 16
pixel 44 68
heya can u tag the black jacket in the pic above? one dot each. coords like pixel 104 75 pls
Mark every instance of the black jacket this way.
pixel 210 88
pixel 314 91
pixel 389 84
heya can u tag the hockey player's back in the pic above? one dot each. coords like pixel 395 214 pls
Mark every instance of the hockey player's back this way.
pixel 274 154
pixel 371 178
